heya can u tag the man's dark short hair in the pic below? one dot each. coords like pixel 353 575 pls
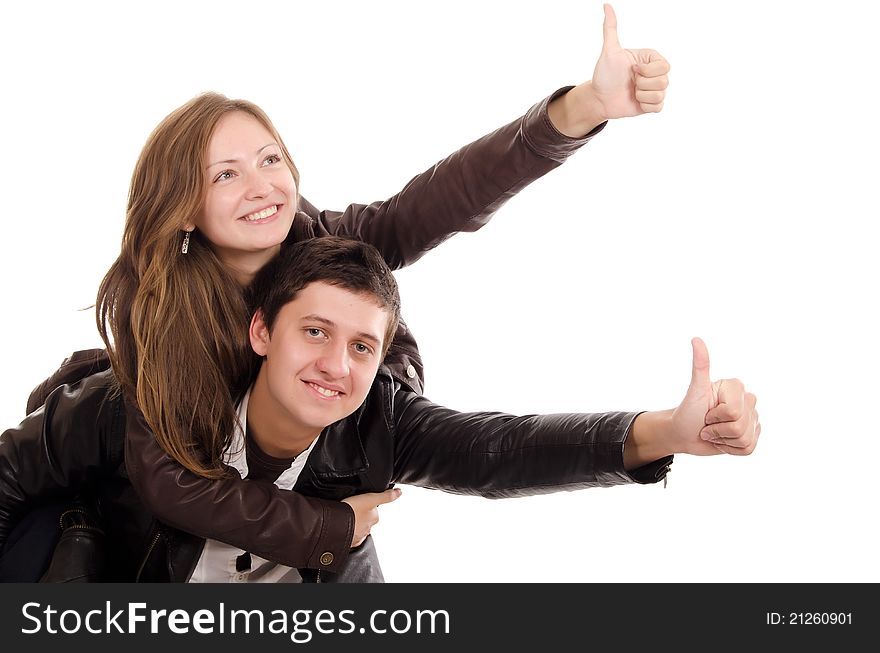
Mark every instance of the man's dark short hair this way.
pixel 350 264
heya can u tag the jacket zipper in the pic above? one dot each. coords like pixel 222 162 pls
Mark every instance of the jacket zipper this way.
pixel 77 527
pixel 67 512
pixel 81 527
pixel 147 556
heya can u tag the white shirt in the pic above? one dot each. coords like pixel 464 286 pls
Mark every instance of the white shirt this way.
pixel 217 562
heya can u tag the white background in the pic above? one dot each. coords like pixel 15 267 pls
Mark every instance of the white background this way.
pixel 744 213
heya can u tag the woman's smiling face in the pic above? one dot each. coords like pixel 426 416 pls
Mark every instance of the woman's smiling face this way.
pixel 250 196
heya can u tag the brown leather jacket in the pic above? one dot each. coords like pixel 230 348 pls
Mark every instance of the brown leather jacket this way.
pixel 395 437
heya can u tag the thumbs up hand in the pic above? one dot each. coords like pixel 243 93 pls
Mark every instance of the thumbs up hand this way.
pixel 628 82
pixel 625 83
pixel 714 417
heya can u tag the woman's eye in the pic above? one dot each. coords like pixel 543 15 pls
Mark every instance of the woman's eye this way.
pixel 223 176
pixel 272 158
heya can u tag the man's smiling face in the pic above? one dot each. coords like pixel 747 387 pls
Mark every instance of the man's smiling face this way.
pixel 320 360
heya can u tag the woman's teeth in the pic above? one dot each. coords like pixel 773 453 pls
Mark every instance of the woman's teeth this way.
pixel 260 215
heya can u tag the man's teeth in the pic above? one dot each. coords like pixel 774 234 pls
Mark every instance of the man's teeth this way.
pixel 325 391
pixel 259 215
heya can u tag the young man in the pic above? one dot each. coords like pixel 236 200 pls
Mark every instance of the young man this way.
pixel 327 314
pixel 324 419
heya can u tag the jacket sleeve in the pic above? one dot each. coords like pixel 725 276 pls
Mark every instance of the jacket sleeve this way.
pixel 57 447
pixel 279 525
pixel 459 193
pixel 496 455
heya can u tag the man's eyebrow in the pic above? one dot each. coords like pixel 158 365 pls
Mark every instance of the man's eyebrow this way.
pixel 217 163
pixel 363 335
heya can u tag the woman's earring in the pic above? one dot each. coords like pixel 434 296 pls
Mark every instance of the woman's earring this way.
pixel 185 247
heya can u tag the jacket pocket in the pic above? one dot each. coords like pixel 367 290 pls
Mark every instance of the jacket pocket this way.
pixel 81 554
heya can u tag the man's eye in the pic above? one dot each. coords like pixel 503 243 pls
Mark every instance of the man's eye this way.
pixel 361 348
pixel 314 332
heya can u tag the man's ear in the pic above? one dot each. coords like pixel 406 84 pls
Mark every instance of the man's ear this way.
pixel 259 334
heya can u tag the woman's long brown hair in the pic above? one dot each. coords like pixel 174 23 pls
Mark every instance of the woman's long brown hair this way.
pixel 175 325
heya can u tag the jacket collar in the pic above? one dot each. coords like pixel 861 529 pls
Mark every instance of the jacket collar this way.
pixel 340 450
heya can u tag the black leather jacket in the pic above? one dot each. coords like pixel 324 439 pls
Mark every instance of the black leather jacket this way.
pixel 396 436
